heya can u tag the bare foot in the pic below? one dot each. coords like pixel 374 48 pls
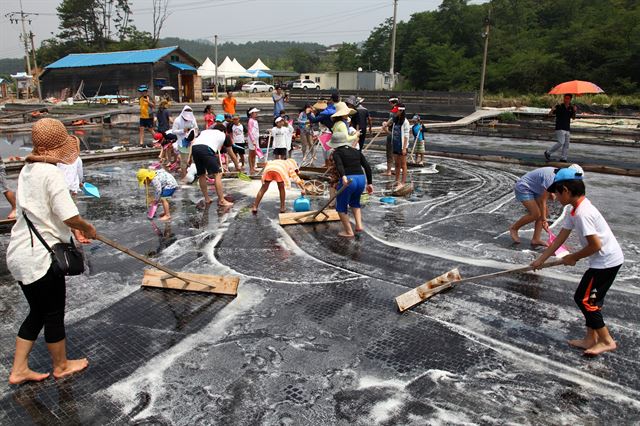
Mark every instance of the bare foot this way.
pixel 539 243
pixel 16 378
pixel 283 210
pixel 164 218
pixel 224 203
pixel 581 343
pixel 359 229
pixel 70 367
pixel 600 347
pixel 386 174
pixel 345 235
pixel 514 235
pixel 254 210
pixel 11 215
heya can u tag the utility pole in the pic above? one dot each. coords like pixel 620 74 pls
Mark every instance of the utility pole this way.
pixel 15 17
pixel 35 66
pixel 485 34
pixel 215 58
pixel 393 45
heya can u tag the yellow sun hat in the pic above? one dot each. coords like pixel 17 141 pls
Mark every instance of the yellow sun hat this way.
pixel 143 175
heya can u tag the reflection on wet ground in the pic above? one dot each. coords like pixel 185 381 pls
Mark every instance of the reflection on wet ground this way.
pixel 314 336
pixel 19 144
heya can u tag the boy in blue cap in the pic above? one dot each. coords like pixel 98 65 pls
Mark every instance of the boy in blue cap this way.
pixel 602 249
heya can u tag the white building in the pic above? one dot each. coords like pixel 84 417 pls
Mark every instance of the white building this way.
pixel 351 80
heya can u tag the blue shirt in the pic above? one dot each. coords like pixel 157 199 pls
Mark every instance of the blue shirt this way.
pixel 418 132
pixel 536 181
pixel 324 117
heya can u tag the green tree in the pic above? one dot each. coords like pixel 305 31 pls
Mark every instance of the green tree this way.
pixel 376 49
pixel 533 44
pixel 95 22
pixel 301 60
pixel 347 57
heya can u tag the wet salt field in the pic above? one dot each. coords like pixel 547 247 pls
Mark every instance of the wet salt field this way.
pixel 314 336
pixel 606 155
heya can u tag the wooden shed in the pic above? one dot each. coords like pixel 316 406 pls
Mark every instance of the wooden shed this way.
pixel 4 88
pixel 120 73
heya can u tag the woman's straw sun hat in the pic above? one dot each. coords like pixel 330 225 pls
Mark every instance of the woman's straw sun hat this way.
pixel 343 110
pixel 52 143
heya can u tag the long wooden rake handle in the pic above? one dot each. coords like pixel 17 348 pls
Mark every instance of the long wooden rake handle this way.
pixel 266 156
pixel 321 210
pixel 445 285
pixel 148 261
pixel 372 139
pixel 510 271
pixel 415 141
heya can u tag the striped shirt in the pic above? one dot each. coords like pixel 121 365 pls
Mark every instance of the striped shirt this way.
pixel 286 169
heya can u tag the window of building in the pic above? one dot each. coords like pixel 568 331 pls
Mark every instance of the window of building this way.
pixel 317 79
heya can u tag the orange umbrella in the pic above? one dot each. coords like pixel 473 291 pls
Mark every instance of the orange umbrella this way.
pixel 575 87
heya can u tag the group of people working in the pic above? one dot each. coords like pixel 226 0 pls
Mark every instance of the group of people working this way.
pixel 45 207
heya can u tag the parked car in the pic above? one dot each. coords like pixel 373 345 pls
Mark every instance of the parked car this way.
pixel 305 84
pixel 257 86
pixel 288 84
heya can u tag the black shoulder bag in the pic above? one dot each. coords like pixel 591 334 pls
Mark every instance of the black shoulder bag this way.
pixel 65 257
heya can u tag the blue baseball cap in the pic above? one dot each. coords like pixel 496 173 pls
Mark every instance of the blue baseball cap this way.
pixel 220 117
pixel 565 174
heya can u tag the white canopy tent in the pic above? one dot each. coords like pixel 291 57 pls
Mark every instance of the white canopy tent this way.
pixel 237 65
pixel 259 65
pixel 231 68
pixel 207 69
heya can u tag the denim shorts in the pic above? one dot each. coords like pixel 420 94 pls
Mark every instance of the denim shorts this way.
pixel 350 197
pixel 167 192
pixel 525 195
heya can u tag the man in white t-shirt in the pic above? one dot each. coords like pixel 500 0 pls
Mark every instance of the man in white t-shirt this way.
pixel 205 152
pixel 602 249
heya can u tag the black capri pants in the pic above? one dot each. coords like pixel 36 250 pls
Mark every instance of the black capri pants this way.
pixel 589 295
pixel 46 298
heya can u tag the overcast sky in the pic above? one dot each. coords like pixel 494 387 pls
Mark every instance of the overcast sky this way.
pixel 322 21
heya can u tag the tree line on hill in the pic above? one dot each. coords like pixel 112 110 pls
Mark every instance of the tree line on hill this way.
pixel 533 44
pixel 276 54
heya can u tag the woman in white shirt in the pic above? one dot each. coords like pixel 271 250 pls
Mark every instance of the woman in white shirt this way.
pixel 44 198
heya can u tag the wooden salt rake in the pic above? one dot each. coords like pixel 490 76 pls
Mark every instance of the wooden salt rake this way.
pixel 446 281
pixel 312 217
pixel 164 277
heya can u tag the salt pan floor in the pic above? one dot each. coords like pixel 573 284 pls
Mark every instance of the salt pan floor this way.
pixel 314 336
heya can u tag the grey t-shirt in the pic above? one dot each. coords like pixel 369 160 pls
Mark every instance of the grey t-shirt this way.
pixel 536 181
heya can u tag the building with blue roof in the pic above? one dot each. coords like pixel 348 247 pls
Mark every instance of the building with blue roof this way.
pixel 121 73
